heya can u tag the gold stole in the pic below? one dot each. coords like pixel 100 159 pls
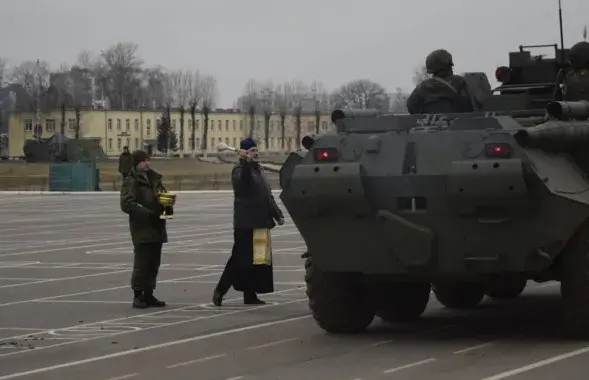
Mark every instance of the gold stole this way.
pixel 262 247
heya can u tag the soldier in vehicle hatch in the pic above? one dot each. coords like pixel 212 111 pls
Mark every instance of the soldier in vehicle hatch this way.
pixel 443 92
pixel 576 83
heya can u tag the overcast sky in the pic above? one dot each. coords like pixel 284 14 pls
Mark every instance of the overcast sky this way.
pixel 333 41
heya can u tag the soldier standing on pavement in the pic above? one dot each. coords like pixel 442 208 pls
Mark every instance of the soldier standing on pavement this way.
pixel 139 199
pixel 443 92
pixel 576 83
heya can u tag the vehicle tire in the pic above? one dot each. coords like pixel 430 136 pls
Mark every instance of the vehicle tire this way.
pixel 574 285
pixel 459 295
pixel 506 288
pixel 401 302
pixel 338 301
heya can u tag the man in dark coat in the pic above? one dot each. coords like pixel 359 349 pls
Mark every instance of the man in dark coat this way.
pixel 139 199
pixel 125 162
pixel 254 207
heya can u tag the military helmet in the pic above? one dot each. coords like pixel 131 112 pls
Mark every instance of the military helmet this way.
pixel 438 60
pixel 579 55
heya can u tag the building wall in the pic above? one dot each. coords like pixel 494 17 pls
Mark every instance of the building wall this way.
pixel 138 128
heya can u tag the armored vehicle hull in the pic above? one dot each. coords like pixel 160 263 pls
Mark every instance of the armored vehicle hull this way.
pixel 392 207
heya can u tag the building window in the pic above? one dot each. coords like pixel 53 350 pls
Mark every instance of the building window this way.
pixel 136 124
pixel 28 125
pixel 234 141
pixel 174 124
pixel 220 140
pixel 70 124
pixel 241 125
pixel 227 140
pixel 227 125
pixel 110 124
pixel 197 143
pixel 110 144
pixel 148 130
pixel 196 125
pixel 212 125
pixel 148 122
pixel 212 142
pixel 136 143
pixel 128 125
pixel 234 125
pixel 128 144
pixel 119 143
pixel 118 124
pixel 50 125
pixel 324 125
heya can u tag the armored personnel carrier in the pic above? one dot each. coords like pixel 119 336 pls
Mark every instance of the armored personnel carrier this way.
pixel 393 207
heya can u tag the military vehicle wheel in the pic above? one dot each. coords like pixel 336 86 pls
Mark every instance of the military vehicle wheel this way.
pixel 401 302
pixel 339 303
pixel 574 285
pixel 459 295
pixel 506 288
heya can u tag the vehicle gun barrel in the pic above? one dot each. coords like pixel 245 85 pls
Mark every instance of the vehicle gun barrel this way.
pixel 352 114
pixel 575 110
pixel 554 135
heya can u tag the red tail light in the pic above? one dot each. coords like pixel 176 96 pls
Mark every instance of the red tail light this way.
pixel 326 154
pixel 502 74
pixel 498 150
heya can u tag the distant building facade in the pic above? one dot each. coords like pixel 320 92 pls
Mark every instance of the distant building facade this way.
pixel 137 129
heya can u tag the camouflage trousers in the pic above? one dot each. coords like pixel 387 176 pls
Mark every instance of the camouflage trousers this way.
pixel 147 258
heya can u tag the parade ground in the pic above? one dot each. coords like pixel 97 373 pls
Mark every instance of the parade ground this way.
pixel 65 310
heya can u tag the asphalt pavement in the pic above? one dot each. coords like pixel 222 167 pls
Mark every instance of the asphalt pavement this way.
pixel 65 310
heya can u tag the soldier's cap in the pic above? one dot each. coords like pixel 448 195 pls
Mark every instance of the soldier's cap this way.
pixel 139 156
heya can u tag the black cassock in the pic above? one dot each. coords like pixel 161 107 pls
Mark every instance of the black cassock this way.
pixel 254 208
pixel 241 272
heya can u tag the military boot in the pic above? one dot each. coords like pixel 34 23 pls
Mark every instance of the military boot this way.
pixel 139 301
pixel 152 301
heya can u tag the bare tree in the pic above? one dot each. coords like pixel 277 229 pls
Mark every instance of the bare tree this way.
pixel 250 102
pixel 267 105
pixel 400 102
pixel 320 102
pixel 283 99
pixel 183 88
pixel 363 94
pixel 420 74
pixel 3 70
pixel 123 66
pixel 208 92
pixel 585 33
pixel 299 91
pixel 170 92
pixel 194 100
pixel 34 78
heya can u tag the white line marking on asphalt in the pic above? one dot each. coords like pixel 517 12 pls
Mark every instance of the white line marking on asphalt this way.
pixel 541 363
pixel 473 348
pixel 411 365
pixel 125 320
pixel 153 347
pixel 196 361
pixel 270 344
pixel 124 376
pixel 65 278
pixel 98 290
pixel 105 302
pixel 235 378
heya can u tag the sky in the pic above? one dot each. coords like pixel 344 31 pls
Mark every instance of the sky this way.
pixel 331 41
